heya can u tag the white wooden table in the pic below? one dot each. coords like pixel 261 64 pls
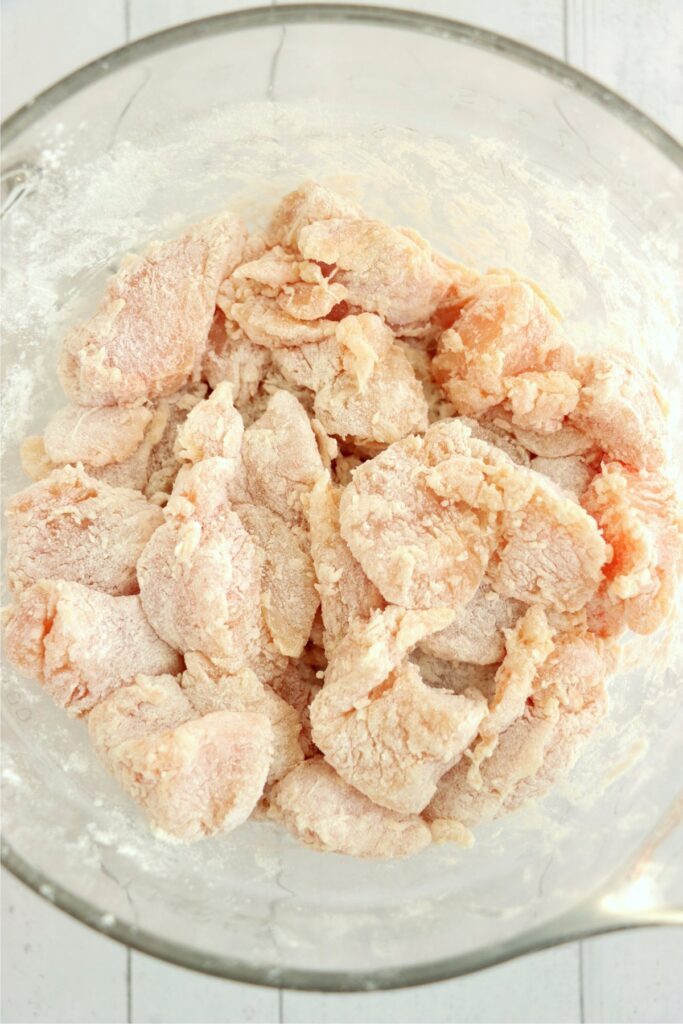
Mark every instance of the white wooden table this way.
pixel 54 969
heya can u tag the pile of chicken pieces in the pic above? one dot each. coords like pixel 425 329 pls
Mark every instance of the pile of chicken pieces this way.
pixel 336 532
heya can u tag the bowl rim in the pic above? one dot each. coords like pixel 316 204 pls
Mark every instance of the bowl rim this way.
pixel 568 927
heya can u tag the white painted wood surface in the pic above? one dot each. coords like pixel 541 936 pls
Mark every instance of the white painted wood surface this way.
pixel 54 969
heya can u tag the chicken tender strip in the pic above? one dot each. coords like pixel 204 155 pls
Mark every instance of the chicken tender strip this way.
pixel 377 723
pixel 81 644
pixel 345 591
pixel 72 527
pixel 324 813
pixel 148 336
pixel 207 690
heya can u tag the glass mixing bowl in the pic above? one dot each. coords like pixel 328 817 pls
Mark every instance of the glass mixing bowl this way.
pixel 500 156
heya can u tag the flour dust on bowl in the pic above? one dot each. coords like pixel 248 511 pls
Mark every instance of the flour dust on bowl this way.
pixel 498 156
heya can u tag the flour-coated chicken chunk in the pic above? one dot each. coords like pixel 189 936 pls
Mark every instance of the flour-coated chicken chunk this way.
pixel 81 644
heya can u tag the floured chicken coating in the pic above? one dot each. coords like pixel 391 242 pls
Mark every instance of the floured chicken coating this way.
pixel 527 647
pixel 195 771
pixel 550 550
pixel 306 205
pixel 72 527
pixel 201 778
pixel 384 270
pixel 208 690
pixel 345 591
pixel 281 459
pixel 287 570
pixel 151 467
pixel 419 547
pixel 476 634
pixel 365 388
pixel 538 747
pixel 150 704
pixel 621 410
pixel 324 813
pixel 638 515
pixel 148 336
pixel 200 577
pixel 505 330
pixel 81 644
pixel 378 724
pixel 95 436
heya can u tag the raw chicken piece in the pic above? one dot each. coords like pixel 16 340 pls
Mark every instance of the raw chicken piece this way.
pixel 148 336
pixel 572 472
pixel 537 748
pixel 298 684
pixel 527 647
pixel 639 516
pixel 265 323
pixel 378 724
pixel 366 390
pixel 384 270
pixel 212 428
pixel 310 203
pixel 324 813
pixel 200 579
pixel 476 633
pixel 550 551
pixel 621 409
pixel 420 546
pixel 95 436
pixel 150 468
pixel 200 778
pixel 231 356
pixel 81 644
pixel 72 527
pixel 506 330
pixel 289 598
pixel 458 676
pixel 149 705
pixel 207 690
pixel 540 401
pixel 281 459
pixel 345 591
